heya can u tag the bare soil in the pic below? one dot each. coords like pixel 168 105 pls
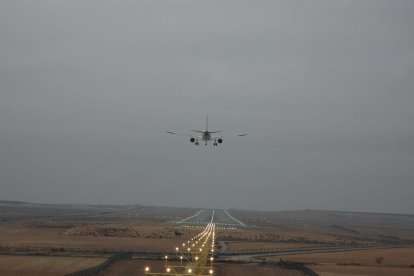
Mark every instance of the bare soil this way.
pixel 234 246
pixel 154 238
pixel 397 262
pixel 394 257
pixel 44 266
pixel 340 270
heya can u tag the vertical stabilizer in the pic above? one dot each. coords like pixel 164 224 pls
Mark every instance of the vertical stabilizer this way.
pixel 207 122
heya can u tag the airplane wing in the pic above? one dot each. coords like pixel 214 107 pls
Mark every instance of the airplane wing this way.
pixel 180 134
pixel 230 137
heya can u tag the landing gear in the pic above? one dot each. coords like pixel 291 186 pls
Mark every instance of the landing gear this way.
pixel 196 142
pixel 215 144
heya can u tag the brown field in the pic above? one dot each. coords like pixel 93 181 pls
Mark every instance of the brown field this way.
pixel 154 237
pixel 336 224
pixel 340 270
pixel 396 262
pixel 278 233
pixel 44 266
pixel 234 246
pixel 394 257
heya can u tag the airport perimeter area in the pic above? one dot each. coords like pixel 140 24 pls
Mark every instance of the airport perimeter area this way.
pixel 37 239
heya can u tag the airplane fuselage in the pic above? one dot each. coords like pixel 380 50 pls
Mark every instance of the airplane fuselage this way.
pixel 206 136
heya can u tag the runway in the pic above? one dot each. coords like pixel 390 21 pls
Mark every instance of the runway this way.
pixel 223 219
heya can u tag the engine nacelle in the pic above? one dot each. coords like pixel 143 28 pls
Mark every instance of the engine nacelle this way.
pixel 192 139
pixel 220 140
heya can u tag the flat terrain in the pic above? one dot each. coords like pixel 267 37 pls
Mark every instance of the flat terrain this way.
pixel 75 237
pixel 337 270
pixel 398 261
pixel 236 246
pixel 44 266
pixel 394 257
pixel 147 237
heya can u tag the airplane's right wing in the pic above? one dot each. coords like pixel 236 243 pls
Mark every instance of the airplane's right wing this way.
pixel 193 139
pixel 180 134
pixel 219 139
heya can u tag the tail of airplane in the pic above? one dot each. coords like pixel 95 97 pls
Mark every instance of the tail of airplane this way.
pixel 207 122
pixel 206 128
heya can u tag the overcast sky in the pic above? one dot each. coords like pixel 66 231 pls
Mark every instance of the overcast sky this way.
pixel 88 89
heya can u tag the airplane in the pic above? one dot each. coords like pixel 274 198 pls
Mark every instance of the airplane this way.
pixel 205 136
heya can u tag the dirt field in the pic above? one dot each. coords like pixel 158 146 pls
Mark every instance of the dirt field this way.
pixel 234 246
pixel 278 233
pixel 396 262
pixel 44 266
pixel 340 270
pixel 395 257
pixel 155 238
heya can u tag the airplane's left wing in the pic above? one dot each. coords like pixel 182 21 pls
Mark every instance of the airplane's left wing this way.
pixel 230 137
pixel 219 139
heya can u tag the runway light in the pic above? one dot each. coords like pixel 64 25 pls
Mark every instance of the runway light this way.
pixel 166 257
pixel 181 257
pixel 190 270
pixel 176 249
pixel 211 259
pixel 196 258
pixel 168 269
pixel 147 269
pixel 210 271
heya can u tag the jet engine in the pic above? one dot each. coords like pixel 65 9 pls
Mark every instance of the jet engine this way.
pixel 220 140
pixel 192 139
